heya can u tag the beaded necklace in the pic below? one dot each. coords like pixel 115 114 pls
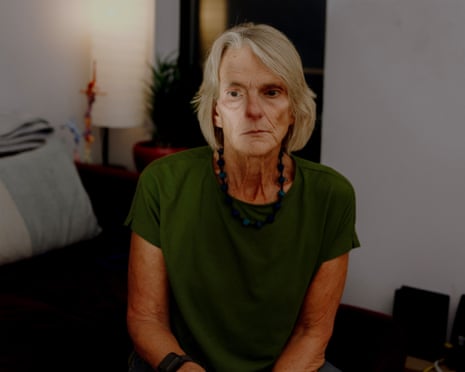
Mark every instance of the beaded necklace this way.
pixel 229 200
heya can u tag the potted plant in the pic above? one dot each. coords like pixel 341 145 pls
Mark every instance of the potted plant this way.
pixel 173 123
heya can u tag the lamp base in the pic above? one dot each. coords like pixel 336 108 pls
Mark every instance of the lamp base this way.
pixel 105 138
pixel 105 133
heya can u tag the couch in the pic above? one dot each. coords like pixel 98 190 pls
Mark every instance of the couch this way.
pixel 62 308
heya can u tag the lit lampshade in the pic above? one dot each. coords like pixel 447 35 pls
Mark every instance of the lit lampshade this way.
pixel 121 46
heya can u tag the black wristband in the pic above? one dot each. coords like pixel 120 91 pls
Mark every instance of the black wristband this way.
pixel 172 362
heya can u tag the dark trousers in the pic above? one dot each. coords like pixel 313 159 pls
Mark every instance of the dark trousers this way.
pixel 137 364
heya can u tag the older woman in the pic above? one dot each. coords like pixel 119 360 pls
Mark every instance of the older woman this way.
pixel 240 249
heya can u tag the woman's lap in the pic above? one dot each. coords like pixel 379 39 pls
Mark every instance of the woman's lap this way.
pixel 328 367
pixel 136 364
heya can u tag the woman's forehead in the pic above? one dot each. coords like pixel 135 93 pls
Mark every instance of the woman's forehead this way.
pixel 242 63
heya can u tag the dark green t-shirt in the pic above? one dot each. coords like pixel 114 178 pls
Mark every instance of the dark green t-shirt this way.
pixel 237 291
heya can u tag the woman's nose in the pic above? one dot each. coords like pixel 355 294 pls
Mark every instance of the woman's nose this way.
pixel 253 106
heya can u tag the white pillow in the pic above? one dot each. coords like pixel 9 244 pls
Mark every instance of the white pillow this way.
pixel 43 204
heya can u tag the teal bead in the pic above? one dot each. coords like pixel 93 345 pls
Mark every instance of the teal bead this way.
pixel 270 218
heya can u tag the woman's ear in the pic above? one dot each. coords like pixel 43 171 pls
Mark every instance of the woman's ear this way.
pixel 292 113
pixel 216 118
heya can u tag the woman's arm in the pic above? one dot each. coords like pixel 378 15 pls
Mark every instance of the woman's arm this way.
pixel 305 350
pixel 148 305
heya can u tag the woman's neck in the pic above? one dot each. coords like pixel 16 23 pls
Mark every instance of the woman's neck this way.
pixel 255 179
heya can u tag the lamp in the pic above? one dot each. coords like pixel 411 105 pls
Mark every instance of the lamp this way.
pixel 121 35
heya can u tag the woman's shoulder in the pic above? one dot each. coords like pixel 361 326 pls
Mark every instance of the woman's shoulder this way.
pixel 324 174
pixel 178 161
pixel 178 170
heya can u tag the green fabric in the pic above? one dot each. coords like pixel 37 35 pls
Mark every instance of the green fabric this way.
pixel 237 291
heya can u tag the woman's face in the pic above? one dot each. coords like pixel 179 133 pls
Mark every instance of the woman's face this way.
pixel 253 107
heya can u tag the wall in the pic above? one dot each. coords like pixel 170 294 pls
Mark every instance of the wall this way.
pixel 42 64
pixel 45 63
pixel 167 27
pixel 393 124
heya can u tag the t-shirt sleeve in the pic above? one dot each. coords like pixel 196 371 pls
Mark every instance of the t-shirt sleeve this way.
pixel 341 235
pixel 144 214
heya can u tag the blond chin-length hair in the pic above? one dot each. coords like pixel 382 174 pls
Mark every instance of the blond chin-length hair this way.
pixel 277 53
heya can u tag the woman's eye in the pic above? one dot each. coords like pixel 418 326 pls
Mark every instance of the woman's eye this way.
pixel 233 93
pixel 272 92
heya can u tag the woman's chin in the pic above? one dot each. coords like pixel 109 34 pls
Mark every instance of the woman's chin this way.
pixel 257 148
